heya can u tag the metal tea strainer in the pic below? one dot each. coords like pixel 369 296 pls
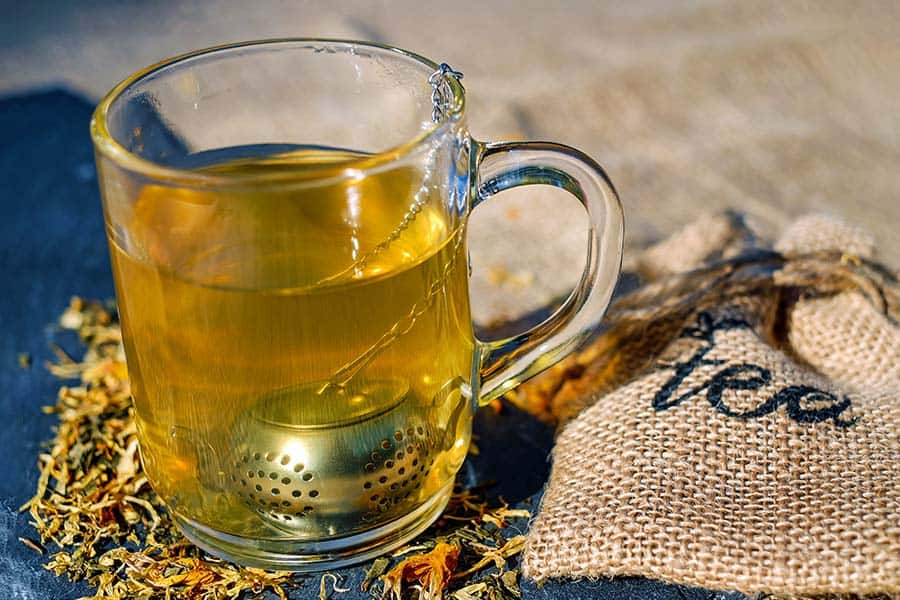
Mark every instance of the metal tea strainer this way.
pixel 304 473
pixel 305 469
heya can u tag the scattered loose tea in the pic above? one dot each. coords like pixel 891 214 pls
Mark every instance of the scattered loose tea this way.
pixel 477 535
pixel 502 586
pixel 494 555
pixel 103 523
pixel 93 502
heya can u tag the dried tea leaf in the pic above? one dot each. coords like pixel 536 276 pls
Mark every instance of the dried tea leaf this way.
pixel 378 568
pixel 503 586
pixel 323 586
pixel 495 556
pixel 474 591
pixel 499 516
pixel 33 544
pixel 510 582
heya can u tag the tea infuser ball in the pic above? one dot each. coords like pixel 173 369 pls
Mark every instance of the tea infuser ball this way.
pixel 369 455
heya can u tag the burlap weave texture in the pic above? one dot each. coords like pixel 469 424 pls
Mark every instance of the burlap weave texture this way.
pixel 749 444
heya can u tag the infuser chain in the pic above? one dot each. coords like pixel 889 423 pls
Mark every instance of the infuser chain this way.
pixel 440 98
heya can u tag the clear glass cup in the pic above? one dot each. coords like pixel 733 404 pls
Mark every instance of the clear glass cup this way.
pixel 287 222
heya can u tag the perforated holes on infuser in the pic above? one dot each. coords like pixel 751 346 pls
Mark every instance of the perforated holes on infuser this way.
pixel 386 443
pixel 298 467
pixel 285 460
pixel 313 493
pixel 296 493
pixel 398 435
pixel 286 481
pixel 307 477
pixel 273 475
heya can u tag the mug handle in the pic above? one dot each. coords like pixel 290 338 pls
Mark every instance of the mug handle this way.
pixel 505 363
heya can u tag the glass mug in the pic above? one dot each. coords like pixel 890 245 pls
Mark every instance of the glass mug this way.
pixel 287 225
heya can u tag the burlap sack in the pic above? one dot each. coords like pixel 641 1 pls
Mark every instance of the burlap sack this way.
pixel 736 428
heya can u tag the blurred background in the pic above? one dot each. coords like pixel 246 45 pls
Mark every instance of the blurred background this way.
pixel 773 108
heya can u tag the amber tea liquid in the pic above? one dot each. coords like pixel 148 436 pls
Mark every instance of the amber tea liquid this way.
pixel 298 324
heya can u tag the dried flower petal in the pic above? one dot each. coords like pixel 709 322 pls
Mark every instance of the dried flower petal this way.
pixel 432 570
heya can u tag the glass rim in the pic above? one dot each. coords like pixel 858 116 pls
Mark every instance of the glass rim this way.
pixel 107 146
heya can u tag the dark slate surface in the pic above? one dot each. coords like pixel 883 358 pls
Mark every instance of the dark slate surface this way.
pixel 52 246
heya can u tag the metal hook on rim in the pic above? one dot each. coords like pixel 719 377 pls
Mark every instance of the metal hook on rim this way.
pixel 439 92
